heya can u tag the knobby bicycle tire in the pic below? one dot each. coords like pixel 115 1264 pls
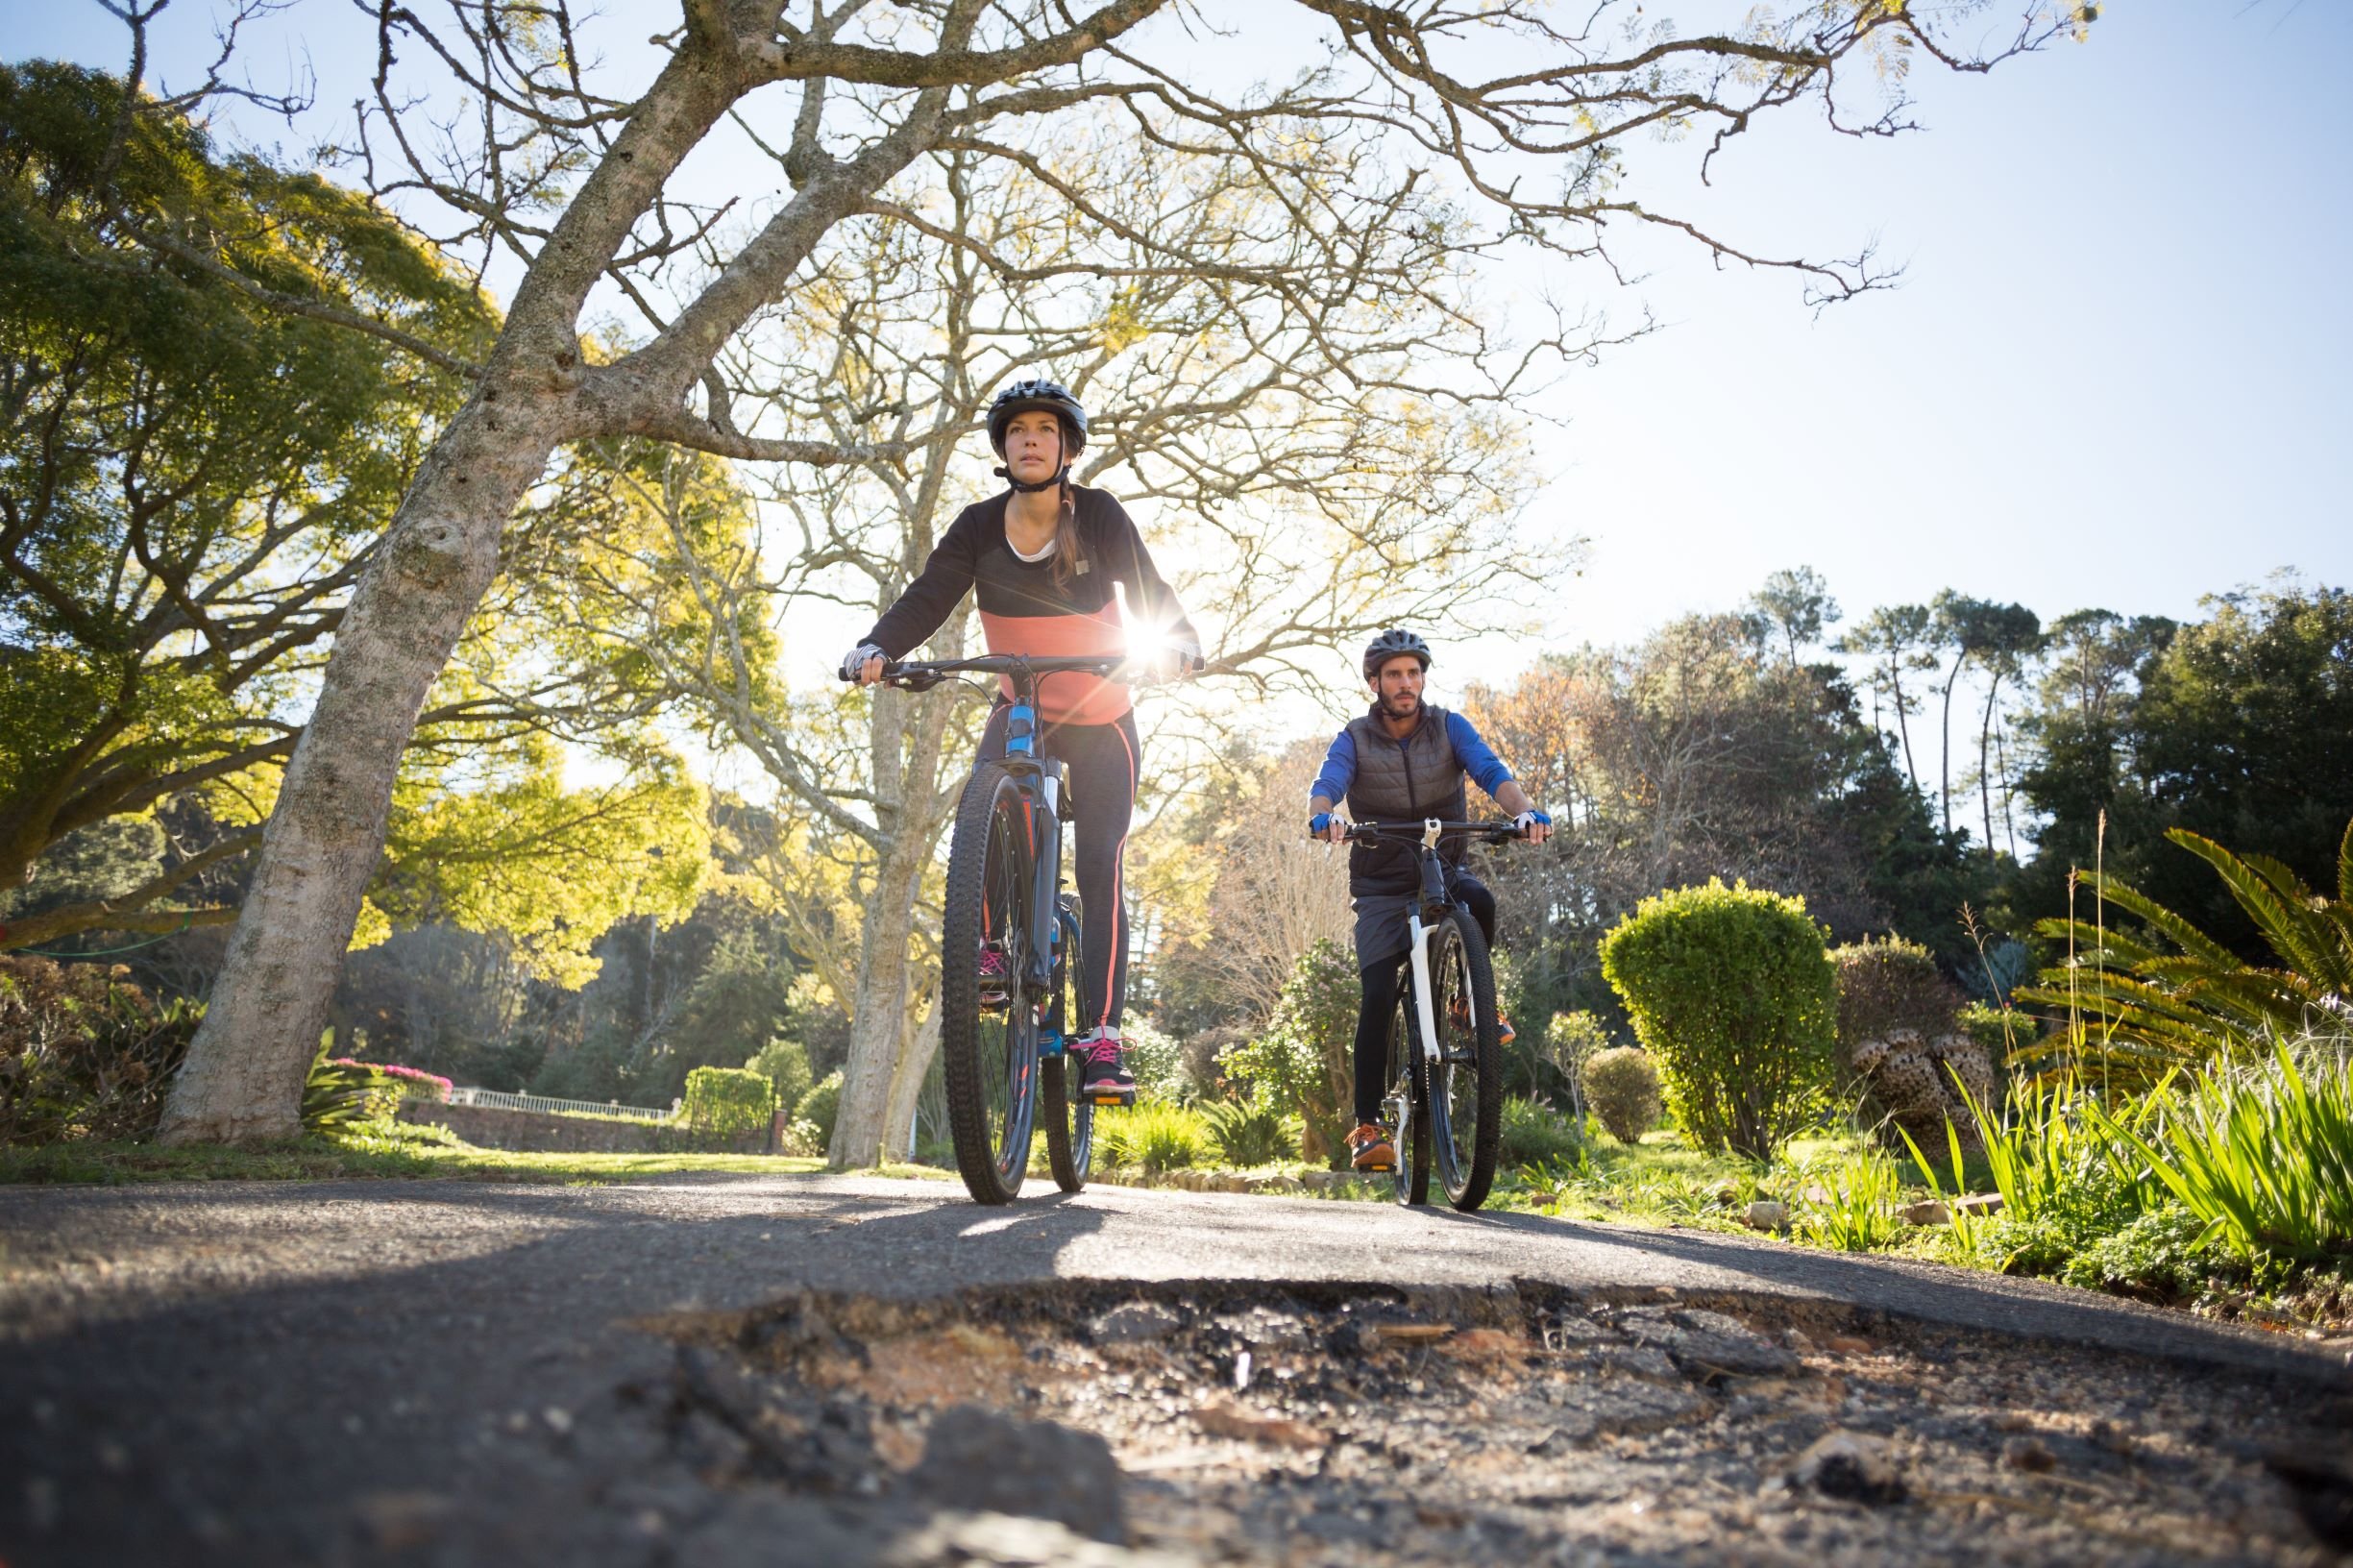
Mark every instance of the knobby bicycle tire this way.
pixel 1069 1117
pixel 1465 1167
pixel 992 1167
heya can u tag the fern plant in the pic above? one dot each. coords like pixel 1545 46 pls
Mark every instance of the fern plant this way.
pixel 1251 1132
pixel 2180 998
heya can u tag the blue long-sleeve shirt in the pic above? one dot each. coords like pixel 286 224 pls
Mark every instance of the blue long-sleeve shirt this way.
pixel 1478 759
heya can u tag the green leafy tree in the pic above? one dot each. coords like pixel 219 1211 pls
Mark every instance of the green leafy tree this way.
pixel 1793 606
pixel 1897 640
pixel 2081 772
pixel 784 1064
pixel 1999 639
pixel 1732 995
pixel 2242 732
pixel 2238 728
pixel 193 479
pixel 733 1009
pixel 190 483
pixel 1693 754
pixel 1303 1062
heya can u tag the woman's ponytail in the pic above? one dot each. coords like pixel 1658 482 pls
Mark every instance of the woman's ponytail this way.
pixel 1069 563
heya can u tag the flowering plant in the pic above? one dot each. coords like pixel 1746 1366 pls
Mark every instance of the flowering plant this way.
pixel 405 1081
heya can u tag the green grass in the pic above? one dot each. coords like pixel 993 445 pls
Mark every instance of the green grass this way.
pixel 369 1151
pixel 1662 1181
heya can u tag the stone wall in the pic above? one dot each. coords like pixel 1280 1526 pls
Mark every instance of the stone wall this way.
pixel 490 1127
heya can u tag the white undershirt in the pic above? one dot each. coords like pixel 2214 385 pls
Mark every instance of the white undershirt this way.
pixel 1032 559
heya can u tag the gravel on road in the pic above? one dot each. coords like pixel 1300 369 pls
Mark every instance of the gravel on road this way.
pixel 804 1370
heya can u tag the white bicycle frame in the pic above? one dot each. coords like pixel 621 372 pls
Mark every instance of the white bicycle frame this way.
pixel 1418 936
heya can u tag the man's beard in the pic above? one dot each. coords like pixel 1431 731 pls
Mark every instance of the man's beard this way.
pixel 1390 710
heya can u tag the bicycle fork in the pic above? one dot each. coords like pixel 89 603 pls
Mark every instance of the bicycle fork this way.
pixel 1435 897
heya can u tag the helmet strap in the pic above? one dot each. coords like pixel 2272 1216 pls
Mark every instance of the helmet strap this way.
pixel 1062 474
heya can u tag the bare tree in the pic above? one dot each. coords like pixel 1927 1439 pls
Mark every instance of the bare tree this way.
pixel 1275 892
pixel 1246 362
pixel 574 177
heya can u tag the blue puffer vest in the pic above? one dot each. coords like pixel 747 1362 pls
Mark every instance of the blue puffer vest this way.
pixel 1402 781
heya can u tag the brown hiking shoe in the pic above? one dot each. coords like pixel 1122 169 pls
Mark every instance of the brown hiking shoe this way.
pixel 1370 1148
pixel 1459 1016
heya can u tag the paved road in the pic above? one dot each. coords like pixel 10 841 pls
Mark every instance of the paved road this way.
pixel 439 1371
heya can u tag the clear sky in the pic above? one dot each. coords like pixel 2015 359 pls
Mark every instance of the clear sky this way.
pixel 2116 372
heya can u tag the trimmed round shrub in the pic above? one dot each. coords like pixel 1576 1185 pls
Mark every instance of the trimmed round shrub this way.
pixel 1732 994
pixel 819 1106
pixel 1622 1086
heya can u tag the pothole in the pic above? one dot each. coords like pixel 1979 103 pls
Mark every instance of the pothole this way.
pixel 1319 1424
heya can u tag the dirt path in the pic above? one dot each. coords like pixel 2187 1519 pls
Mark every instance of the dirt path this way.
pixel 785 1370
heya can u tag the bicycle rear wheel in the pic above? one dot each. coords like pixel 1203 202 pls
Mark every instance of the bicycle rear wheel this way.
pixel 1069 1116
pixel 988 1026
pixel 1466 1083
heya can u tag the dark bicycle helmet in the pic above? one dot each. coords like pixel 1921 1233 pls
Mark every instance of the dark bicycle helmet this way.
pixel 1388 646
pixel 1021 397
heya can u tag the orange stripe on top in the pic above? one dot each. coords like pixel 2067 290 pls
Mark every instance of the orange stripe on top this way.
pixel 1070 697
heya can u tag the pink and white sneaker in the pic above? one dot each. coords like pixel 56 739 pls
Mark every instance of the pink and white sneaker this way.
pixel 996 977
pixel 1105 1080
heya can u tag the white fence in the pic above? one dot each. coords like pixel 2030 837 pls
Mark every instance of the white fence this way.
pixel 500 1099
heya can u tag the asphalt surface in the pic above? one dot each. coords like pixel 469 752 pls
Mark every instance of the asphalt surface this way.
pixel 447 1372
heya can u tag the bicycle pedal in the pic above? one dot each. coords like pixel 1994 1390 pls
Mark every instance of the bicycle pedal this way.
pixel 1118 1102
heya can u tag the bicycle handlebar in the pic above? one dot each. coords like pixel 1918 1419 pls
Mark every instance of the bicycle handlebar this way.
pixel 921 675
pixel 1402 832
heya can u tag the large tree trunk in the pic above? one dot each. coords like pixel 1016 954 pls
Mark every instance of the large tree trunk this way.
pixel 1904 728
pixel 1944 787
pixel 245 1068
pixel 1985 777
pixel 880 1007
pixel 915 1059
pixel 906 739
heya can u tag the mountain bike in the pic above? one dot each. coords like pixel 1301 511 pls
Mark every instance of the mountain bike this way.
pixel 1009 944
pixel 1445 1076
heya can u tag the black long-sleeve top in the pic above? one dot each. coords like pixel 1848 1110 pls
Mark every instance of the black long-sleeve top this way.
pixel 1021 610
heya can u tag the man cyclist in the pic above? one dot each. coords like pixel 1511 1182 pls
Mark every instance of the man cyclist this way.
pixel 1041 560
pixel 1404 761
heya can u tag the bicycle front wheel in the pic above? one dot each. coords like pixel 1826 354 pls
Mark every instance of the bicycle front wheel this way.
pixel 988 1025
pixel 1466 1082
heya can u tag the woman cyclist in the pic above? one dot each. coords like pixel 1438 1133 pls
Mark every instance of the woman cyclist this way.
pixel 1041 558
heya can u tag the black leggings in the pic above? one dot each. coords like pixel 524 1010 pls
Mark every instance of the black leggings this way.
pixel 1103 760
pixel 1381 980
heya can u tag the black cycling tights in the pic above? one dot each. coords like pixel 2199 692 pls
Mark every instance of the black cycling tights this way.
pixel 1381 980
pixel 1100 801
